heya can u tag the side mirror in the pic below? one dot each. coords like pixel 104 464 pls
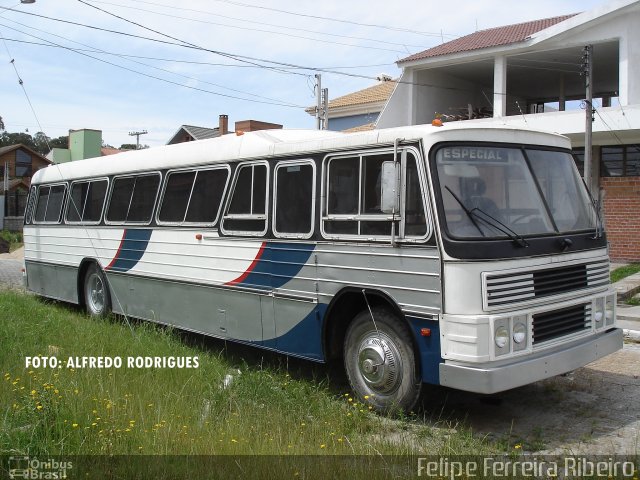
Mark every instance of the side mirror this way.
pixel 389 183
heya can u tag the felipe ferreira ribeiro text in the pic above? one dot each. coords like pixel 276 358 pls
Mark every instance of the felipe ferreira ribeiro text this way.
pixel 568 468
pixel 111 362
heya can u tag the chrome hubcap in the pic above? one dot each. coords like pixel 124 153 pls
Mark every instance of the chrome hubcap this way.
pixel 379 362
pixel 96 293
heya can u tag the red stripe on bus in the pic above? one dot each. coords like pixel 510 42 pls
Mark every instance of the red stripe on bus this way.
pixel 241 278
pixel 115 259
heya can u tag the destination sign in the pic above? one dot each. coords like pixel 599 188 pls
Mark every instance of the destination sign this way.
pixel 474 153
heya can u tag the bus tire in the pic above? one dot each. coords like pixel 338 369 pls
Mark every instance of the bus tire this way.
pixel 381 363
pixel 97 299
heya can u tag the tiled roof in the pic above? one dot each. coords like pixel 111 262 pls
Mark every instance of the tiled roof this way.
pixel 10 148
pixel 377 93
pixel 361 128
pixel 201 133
pixel 109 151
pixel 491 37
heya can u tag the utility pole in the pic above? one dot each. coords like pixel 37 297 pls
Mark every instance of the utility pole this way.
pixel 318 101
pixel 137 135
pixel 587 63
pixel 325 109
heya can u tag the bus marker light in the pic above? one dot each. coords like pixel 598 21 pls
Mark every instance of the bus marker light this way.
pixel 198 236
pixel 425 332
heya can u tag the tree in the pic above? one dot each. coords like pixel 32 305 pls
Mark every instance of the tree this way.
pixel 1 124
pixel 60 142
pixel 132 146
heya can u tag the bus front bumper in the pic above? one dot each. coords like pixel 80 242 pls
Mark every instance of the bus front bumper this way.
pixel 522 371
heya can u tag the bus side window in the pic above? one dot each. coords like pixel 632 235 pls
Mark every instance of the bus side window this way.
pixel 133 199
pixel 247 208
pixel 293 204
pixel 415 216
pixel 31 202
pixel 86 201
pixel 50 202
pixel 193 196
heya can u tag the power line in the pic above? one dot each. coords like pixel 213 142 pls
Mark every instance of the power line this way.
pixel 238 58
pixel 241 58
pixel 290 105
pixel 174 60
pixel 21 83
pixel 339 20
pixel 352 37
pixel 98 50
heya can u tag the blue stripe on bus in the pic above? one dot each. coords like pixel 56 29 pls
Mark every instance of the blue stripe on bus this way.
pixel 278 264
pixel 428 348
pixel 305 339
pixel 132 246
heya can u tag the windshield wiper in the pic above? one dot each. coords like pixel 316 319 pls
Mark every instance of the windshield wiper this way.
pixel 489 220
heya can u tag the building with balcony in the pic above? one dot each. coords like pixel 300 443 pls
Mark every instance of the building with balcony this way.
pixel 531 75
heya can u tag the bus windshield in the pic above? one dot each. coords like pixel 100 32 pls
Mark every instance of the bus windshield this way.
pixel 498 192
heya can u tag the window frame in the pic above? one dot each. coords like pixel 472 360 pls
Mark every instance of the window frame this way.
pixel 31 202
pixel 23 164
pixel 62 207
pixel 130 175
pixel 288 163
pixel 237 216
pixel 400 237
pixel 165 181
pixel 104 202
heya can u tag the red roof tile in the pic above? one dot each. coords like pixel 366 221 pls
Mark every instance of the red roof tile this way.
pixel 491 37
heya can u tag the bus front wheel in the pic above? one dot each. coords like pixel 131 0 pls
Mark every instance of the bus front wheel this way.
pixel 96 292
pixel 380 361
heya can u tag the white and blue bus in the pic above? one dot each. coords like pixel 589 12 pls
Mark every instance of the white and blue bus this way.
pixel 459 255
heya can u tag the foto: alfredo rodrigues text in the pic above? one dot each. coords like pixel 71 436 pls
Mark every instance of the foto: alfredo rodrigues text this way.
pixel 111 362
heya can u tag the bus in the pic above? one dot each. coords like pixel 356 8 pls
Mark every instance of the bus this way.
pixel 468 256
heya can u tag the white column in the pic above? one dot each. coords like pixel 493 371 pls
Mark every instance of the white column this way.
pixel 500 87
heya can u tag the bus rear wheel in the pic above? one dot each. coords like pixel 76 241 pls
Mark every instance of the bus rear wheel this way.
pixel 96 292
pixel 380 361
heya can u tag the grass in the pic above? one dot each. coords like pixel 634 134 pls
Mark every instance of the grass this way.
pixel 622 272
pixel 269 407
pixel 14 239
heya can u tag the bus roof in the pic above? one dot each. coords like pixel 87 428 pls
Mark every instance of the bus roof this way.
pixel 271 143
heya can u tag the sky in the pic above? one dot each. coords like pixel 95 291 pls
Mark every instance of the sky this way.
pixel 122 66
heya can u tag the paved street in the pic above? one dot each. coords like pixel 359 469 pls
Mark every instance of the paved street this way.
pixel 10 268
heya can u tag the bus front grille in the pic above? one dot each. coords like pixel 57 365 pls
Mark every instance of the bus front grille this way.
pixel 558 323
pixel 507 289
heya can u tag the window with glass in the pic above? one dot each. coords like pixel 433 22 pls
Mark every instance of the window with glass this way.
pixel 620 161
pixel 23 164
pixel 193 196
pixel 31 202
pixel 498 192
pixel 246 211
pixel 133 199
pixel 49 204
pixel 354 192
pixel 86 201
pixel 294 199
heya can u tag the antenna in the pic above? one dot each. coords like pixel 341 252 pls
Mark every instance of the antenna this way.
pixel 137 135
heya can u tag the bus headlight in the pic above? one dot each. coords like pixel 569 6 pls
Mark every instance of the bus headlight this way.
pixel 501 337
pixel 519 333
pixel 598 312
pixel 610 310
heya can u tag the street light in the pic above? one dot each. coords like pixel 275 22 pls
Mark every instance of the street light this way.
pixel 27 1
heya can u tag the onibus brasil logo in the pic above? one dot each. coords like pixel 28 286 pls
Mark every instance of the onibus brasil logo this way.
pixel 36 469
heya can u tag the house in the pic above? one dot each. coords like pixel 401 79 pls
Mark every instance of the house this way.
pixel 529 75
pixel 18 163
pixel 189 133
pixel 83 143
pixel 359 110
